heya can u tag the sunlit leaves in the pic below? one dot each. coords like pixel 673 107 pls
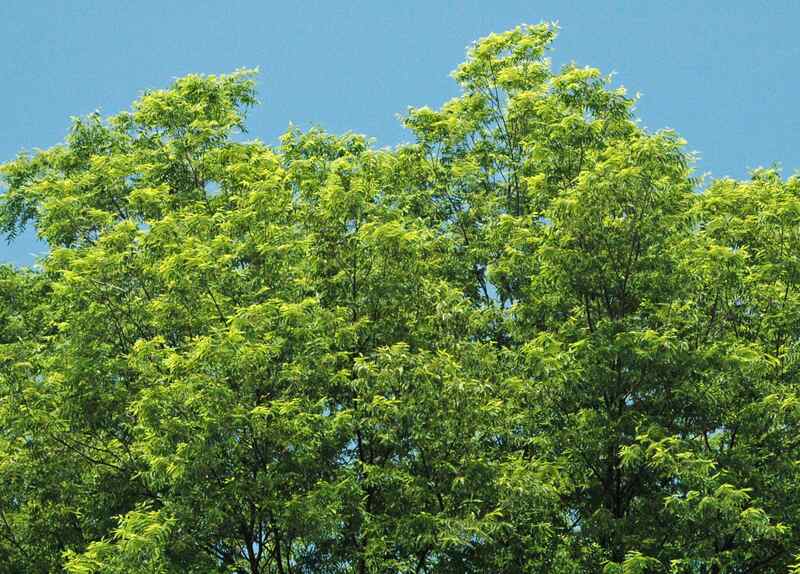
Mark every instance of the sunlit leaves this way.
pixel 525 342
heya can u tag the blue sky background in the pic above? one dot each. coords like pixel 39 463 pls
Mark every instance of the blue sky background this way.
pixel 723 73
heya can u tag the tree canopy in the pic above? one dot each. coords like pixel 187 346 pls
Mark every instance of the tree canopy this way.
pixel 529 341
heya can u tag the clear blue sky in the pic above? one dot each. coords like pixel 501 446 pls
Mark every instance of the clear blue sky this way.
pixel 723 73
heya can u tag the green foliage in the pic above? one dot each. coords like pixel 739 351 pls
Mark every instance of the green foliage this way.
pixel 524 343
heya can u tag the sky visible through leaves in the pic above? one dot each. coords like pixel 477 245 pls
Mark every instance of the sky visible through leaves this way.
pixel 720 73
